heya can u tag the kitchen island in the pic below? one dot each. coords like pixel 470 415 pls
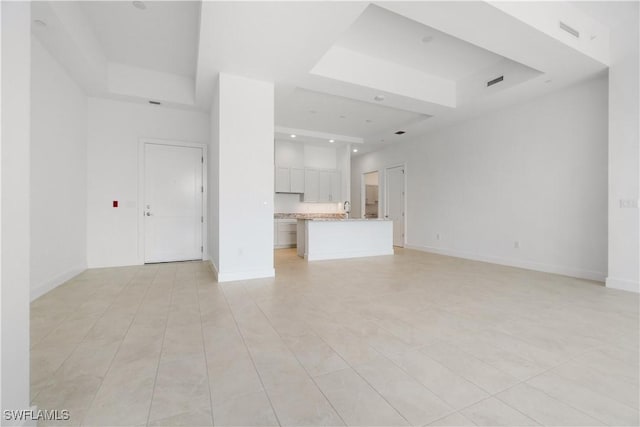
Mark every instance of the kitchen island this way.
pixel 338 238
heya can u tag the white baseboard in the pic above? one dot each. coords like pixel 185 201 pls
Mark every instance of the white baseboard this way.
pixel 213 268
pixel 240 275
pixel 48 285
pixel 527 265
pixel 245 275
pixel 623 284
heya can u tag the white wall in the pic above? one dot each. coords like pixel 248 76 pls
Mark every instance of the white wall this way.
pixel 114 131
pixel 535 173
pixel 14 211
pixel 213 182
pixel 58 174
pixel 242 134
pixel 624 155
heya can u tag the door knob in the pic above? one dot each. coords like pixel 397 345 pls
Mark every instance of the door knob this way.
pixel 148 214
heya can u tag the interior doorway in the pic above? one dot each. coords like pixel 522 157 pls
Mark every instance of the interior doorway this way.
pixel 395 202
pixel 370 195
pixel 173 202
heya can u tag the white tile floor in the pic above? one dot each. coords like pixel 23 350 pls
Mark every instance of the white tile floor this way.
pixel 413 339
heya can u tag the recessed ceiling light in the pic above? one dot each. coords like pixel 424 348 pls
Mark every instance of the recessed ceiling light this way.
pixel 292 136
pixel 332 141
pixel 139 4
pixel 378 98
pixel 427 39
pixel 355 150
pixel 39 22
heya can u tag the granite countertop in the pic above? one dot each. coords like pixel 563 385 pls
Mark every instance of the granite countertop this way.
pixel 333 216
pixel 351 219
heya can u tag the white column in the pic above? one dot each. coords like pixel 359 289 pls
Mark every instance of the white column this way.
pixel 241 170
pixel 624 157
pixel 14 233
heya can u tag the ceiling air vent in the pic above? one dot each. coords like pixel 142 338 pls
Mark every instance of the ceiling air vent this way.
pixel 494 81
pixel 400 132
pixel 575 33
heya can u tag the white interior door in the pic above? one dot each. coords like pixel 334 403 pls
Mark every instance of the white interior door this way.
pixel 395 202
pixel 172 203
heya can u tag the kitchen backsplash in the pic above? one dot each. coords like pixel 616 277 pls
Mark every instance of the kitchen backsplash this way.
pixel 290 203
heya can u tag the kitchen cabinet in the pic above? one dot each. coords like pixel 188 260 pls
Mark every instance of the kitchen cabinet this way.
pixel 289 180
pixel 285 233
pixel 297 180
pixel 311 181
pixel 322 185
pixel 335 195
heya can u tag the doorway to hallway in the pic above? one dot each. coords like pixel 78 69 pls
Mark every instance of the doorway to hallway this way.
pixel 395 202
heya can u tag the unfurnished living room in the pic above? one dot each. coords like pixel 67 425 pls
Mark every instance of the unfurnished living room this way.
pixel 319 213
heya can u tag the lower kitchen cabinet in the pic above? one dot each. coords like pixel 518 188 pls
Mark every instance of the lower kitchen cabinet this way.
pixel 285 234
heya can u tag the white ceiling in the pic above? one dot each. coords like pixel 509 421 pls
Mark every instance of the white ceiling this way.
pixel 305 109
pixel 609 13
pixel 162 37
pixel 334 57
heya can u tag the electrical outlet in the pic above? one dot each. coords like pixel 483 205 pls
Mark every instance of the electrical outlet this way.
pixel 437 236
pixel 629 203
pixel 516 245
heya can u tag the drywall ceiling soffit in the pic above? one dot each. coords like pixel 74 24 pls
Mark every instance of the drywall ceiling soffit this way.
pixel 66 34
pixel 392 53
pixel 338 115
pixel 70 36
pixel 282 133
pixel 548 61
pixel 271 41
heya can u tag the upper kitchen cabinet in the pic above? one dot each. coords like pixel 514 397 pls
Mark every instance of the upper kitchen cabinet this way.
pixel 289 167
pixel 319 172
pixel 322 185
pixel 289 180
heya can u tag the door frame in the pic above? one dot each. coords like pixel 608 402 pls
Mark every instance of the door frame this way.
pixel 141 181
pixel 403 165
pixel 363 193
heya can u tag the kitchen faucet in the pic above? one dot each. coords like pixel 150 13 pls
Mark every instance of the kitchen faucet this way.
pixel 347 208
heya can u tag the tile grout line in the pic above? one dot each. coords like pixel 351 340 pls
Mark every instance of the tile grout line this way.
pixel 301 365
pixel 495 395
pixel 164 334
pixel 264 389
pixel 119 345
pixel 83 337
pixel 354 370
pixel 204 350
